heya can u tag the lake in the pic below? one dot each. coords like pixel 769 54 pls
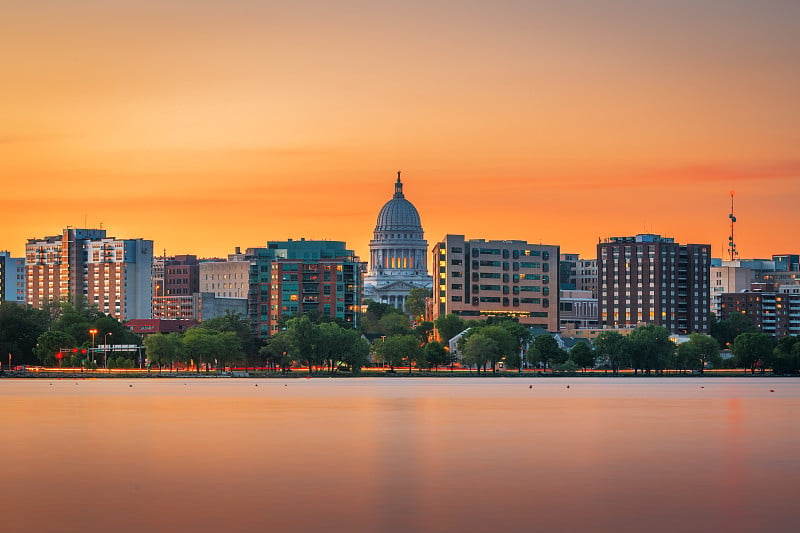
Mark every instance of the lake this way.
pixel 400 454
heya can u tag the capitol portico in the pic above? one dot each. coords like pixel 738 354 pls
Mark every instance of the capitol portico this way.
pixel 398 253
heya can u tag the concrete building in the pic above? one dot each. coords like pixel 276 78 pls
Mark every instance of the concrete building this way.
pixel 207 305
pixel 115 275
pixel 578 309
pixel 12 278
pixel 586 276
pixel 264 282
pixel 774 312
pixel 225 279
pixel 328 288
pixel 567 271
pixel 652 279
pixel 726 279
pixel 175 281
pixel 479 279
pixel 398 253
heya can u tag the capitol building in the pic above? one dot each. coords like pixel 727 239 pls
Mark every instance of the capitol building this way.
pixel 398 253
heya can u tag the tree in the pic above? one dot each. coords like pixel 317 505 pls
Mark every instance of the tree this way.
pixel 424 330
pixel 393 349
pixel 523 338
pixel 305 341
pixel 435 354
pixel 50 343
pixel 333 343
pixel 613 348
pixel 752 350
pixel 356 351
pixel 725 331
pixel 786 356
pixel 544 350
pixel 415 301
pixel 278 351
pixel 507 344
pixel 582 355
pixel 238 324
pixel 196 346
pixel 705 351
pixel 449 326
pixel 20 327
pixel 394 324
pixel 650 348
pixel 163 349
pixel 479 349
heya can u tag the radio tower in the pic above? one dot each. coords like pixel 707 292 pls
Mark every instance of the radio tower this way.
pixel 731 244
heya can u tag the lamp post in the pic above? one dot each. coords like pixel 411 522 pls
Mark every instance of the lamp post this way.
pixel 93 331
pixel 105 350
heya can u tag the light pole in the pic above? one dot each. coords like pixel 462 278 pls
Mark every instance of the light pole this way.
pixel 93 331
pixel 105 350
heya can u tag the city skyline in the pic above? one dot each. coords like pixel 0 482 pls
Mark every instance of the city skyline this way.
pixel 206 127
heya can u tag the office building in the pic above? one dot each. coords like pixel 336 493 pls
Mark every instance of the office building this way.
pixel 12 278
pixel 652 279
pixel 479 278
pixel 85 266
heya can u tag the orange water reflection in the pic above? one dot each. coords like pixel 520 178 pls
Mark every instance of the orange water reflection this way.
pixel 400 455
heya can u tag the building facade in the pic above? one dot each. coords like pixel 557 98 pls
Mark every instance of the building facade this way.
pixel 225 279
pixel 586 276
pixel 12 278
pixel 265 283
pixel 175 282
pixel 652 279
pixel 479 279
pixel 115 275
pixel 578 310
pixel 725 279
pixel 776 311
pixel 398 253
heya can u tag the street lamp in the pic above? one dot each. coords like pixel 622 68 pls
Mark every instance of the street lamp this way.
pixel 93 331
pixel 105 349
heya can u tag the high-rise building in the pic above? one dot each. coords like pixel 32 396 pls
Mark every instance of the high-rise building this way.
pixel 398 252
pixel 652 279
pixel 115 275
pixel 776 311
pixel 12 278
pixel 175 282
pixel 586 276
pixel 479 279
pixel 728 279
pixel 272 296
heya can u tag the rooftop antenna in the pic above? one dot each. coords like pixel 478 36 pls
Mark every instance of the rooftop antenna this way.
pixel 733 254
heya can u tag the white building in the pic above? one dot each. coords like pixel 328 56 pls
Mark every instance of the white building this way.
pixel 398 253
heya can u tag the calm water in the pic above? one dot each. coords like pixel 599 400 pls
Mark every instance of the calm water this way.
pixel 400 455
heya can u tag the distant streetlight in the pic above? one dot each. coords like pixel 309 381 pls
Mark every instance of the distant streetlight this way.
pixel 105 349
pixel 93 331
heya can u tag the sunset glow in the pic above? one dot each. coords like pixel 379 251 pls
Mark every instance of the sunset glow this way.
pixel 209 125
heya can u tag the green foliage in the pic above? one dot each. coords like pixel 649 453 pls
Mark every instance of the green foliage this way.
pixel 394 324
pixel 786 356
pixel 305 340
pixel 753 350
pixel 424 330
pixel 436 355
pixel 415 301
pixel 479 349
pixel 568 367
pixel 20 328
pixel 704 352
pixel 726 331
pixel 614 349
pixel 394 349
pixel 278 351
pixel 582 355
pixel 544 350
pixel 650 348
pixel 163 349
pixel 449 326
pixel 50 343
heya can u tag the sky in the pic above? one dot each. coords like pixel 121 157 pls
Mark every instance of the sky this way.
pixel 205 125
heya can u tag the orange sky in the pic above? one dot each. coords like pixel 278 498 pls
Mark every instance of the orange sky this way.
pixel 206 125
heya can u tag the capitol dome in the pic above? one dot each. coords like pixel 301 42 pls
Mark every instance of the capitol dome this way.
pixel 398 252
pixel 398 214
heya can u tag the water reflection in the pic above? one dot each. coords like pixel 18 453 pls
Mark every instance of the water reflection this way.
pixel 400 455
